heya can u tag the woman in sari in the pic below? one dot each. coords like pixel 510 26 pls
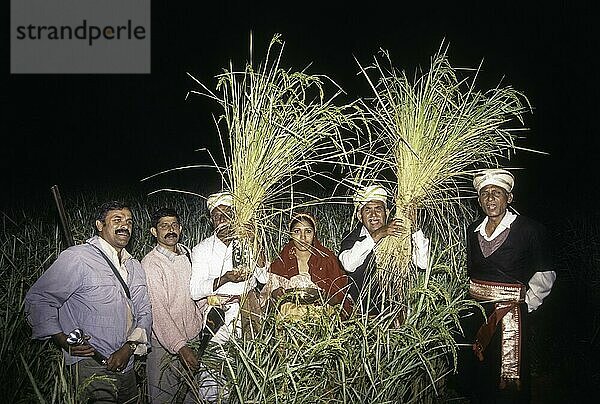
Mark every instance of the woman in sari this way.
pixel 307 277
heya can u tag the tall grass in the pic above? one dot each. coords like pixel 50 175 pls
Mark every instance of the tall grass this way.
pixel 30 241
pixel 27 246
pixel 326 359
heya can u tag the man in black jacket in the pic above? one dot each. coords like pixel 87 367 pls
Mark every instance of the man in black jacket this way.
pixel 356 253
pixel 510 275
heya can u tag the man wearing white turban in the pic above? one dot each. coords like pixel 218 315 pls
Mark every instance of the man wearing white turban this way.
pixel 494 176
pixel 213 276
pixel 510 275
pixel 356 253
pixel 223 199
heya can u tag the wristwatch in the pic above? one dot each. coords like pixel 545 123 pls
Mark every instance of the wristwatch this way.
pixel 132 345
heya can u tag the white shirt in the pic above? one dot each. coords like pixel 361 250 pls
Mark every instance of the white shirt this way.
pixel 211 258
pixel 540 283
pixel 112 253
pixel 504 224
pixel 354 257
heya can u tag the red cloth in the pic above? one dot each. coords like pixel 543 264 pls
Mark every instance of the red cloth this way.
pixel 323 266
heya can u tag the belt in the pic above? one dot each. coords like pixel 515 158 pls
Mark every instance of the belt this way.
pixel 485 291
pixel 506 298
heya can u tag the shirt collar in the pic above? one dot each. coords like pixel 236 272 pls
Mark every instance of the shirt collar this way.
pixel 364 232
pixel 170 254
pixel 504 224
pixel 217 242
pixel 112 252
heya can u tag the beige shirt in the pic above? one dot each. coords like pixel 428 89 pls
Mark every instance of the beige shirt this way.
pixel 176 318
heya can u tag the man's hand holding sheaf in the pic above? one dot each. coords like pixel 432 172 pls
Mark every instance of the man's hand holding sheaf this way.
pixel 393 228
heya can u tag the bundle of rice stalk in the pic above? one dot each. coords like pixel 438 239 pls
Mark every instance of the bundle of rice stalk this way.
pixel 278 125
pixel 432 133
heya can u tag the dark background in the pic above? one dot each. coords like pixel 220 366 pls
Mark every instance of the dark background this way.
pixel 103 131
pixel 107 132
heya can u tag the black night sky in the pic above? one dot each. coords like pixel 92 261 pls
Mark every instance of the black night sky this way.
pixel 86 131
pixel 106 132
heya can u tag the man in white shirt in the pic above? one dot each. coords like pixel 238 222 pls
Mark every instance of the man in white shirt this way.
pixel 356 253
pixel 510 275
pixel 213 276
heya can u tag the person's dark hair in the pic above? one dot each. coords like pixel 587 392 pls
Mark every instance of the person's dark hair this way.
pixel 307 217
pixel 160 213
pixel 102 210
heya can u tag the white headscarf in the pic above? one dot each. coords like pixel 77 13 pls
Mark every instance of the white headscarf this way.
pixel 373 192
pixel 219 198
pixel 494 176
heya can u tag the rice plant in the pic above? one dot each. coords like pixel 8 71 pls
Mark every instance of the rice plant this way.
pixel 275 133
pixel 330 359
pixel 432 132
pixel 278 124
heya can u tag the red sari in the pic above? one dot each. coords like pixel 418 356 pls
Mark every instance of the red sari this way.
pixel 323 266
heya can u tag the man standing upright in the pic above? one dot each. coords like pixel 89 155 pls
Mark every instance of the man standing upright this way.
pixel 510 275
pixel 356 253
pixel 177 319
pixel 213 275
pixel 100 288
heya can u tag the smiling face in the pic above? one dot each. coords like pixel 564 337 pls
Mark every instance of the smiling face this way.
pixel 167 232
pixel 116 228
pixel 221 217
pixel 494 201
pixel 303 235
pixel 373 215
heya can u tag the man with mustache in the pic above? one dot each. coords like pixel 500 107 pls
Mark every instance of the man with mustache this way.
pixel 510 275
pixel 177 319
pixel 100 288
pixel 212 268
pixel 356 253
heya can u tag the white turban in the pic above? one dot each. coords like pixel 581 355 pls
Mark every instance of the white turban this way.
pixel 371 193
pixel 220 198
pixel 494 176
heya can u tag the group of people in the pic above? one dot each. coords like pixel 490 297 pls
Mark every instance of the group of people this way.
pixel 176 300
